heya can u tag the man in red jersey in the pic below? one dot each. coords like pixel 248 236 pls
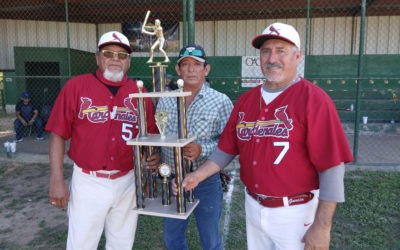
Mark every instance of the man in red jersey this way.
pixel 292 151
pixel 94 111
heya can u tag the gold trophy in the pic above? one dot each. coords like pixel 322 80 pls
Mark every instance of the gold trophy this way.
pixel 161 118
pixel 145 143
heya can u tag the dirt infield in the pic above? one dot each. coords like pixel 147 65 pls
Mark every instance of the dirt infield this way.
pixel 25 212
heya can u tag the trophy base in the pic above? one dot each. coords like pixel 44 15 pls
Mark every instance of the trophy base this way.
pixel 154 207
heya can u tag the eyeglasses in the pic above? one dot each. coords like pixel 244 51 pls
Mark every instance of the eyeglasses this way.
pixel 111 54
pixel 195 52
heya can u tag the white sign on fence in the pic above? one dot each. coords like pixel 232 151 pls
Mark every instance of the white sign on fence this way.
pixel 251 71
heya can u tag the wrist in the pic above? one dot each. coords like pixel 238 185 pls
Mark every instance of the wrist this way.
pixel 323 223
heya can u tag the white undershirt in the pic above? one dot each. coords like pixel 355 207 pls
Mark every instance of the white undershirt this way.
pixel 270 94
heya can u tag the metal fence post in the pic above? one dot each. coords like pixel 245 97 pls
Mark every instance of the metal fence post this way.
pixel 360 81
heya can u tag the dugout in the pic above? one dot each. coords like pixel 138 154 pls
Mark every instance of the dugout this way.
pixel 42 72
pixel 379 84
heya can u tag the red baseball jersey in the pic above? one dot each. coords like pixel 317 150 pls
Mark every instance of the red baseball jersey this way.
pixel 97 122
pixel 283 145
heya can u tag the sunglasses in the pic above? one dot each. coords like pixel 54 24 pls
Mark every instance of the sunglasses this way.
pixel 195 52
pixel 112 54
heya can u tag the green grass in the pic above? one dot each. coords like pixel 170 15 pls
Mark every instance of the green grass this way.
pixel 369 219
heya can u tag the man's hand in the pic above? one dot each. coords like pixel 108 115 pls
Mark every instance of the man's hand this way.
pixel 318 235
pixel 192 151
pixel 191 181
pixel 58 192
pixel 24 122
pixel 153 161
pixel 31 121
pixel 174 187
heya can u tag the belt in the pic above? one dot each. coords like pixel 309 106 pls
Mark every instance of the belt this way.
pixel 271 202
pixel 111 176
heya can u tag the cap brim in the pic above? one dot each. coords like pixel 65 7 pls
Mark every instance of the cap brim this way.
pixel 194 57
pixel 128 48
pixel 259 40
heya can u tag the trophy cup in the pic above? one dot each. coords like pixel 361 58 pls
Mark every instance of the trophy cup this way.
pixel 161 118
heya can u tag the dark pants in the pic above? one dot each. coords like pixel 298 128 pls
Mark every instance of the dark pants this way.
pixel 207 215
pixel 18 126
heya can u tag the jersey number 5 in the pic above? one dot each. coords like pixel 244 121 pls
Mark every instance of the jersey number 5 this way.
pixel 285 145
pixel 127 133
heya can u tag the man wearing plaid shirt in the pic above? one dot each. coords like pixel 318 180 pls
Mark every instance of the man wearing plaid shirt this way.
pixel 207 112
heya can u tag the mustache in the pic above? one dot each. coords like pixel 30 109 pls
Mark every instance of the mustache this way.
pixel 271 65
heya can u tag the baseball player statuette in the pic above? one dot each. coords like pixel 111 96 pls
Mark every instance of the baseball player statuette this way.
pixel 155 30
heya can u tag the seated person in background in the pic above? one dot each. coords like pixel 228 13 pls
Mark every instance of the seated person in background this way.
pixel 27 114
pixel 169 84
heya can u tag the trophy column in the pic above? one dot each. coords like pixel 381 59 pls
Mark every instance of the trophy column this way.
pixel 159 74
pixel 182 165
pixel 151 180
pixel 138 151
pixel 182 134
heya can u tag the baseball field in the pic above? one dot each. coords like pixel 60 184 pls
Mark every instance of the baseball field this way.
pixel 369 219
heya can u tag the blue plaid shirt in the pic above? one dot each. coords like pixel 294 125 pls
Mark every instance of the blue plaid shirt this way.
pixel 206 117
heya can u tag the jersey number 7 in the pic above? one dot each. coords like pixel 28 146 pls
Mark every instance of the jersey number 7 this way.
pixel 285 145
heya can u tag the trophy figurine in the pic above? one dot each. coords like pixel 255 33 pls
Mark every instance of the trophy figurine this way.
pixel 165 171
pixel 156 30
pixel 161 118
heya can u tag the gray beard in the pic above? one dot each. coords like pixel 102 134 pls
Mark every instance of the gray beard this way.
pixel 113 76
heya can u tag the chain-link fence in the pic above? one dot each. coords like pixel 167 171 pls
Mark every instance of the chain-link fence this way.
pixel 351 50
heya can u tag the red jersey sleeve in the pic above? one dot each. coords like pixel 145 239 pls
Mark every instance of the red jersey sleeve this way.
pixel 326 142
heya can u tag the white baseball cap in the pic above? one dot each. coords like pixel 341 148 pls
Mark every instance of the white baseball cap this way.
pixel 115 37
pixel 278 31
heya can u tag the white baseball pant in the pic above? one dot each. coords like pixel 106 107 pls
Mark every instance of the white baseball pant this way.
pixel 100 203
pixel 278 228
